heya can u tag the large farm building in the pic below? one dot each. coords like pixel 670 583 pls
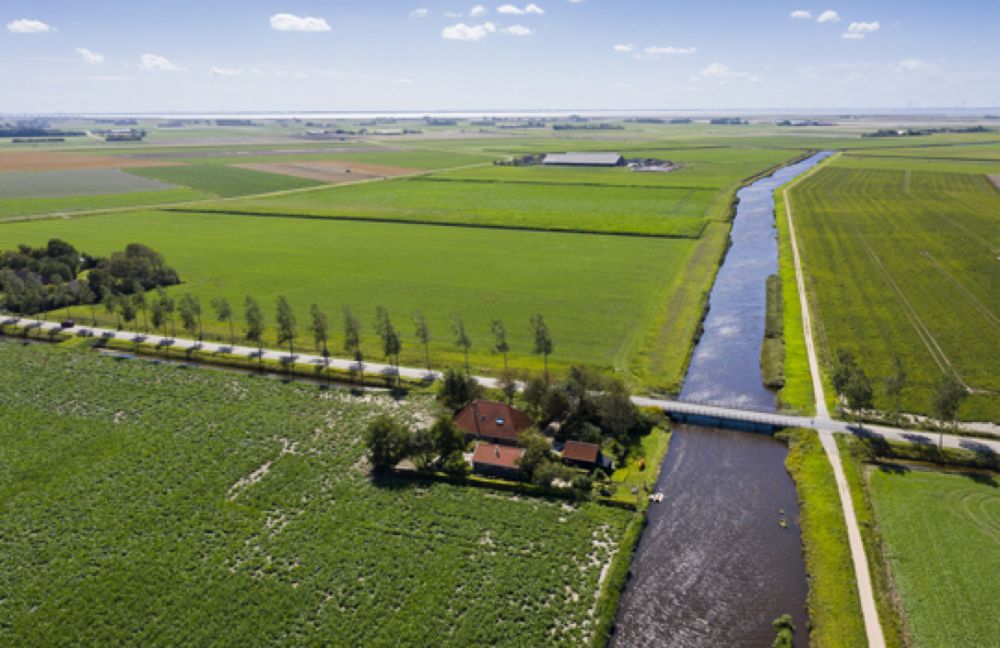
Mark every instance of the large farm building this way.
pixel 584 159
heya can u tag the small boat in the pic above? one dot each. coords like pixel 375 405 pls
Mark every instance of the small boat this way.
pixel 782 523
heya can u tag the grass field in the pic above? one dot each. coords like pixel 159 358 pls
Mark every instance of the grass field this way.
pixel 834 607
pixel 145 504
pixel 223 180
pixel 667 212
pixel 74 182
pixel 904 262
pixel 941 532
pixel 600 295
pixel 22 207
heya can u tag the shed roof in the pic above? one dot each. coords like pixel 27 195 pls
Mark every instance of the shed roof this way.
pixel 581 451
pixel 492 419
pixel 596 159
pixel 491 454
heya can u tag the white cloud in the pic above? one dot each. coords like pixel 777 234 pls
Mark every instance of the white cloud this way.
pixel 29 26
pixel 914 65
pixel 801 14
pixel 224 72
pixel 154 62
pixel 575 1
pixel 670 50
pixel 517 30
pixel 534 9
pixel 453 14
pixel 828 16
pixel 624 48
pixel 93 58
pixel 722 72
pixel 477 10
pixel 510 10
pixel 404 81
pixel 857 30
pixel 419 13
pixel 105 77
pixel 290 22
pixel 461 31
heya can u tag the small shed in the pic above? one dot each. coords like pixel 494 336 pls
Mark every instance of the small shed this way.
pixel 496 460
pixel 584 159
pixel 493 422
pixel 584 455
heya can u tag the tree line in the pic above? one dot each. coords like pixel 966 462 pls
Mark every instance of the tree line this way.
pixel 856 390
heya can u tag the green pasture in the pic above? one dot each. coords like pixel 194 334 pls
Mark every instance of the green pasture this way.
pixel 937 164
pixel 941 532
pixel 602 296
pixel 150 504
pixel 19 207
pixel 906 263
pixel 224 180
pixel 668 212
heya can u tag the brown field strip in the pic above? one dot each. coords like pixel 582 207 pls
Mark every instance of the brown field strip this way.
pixel 329 171
pixel 995 179
pixel 55 161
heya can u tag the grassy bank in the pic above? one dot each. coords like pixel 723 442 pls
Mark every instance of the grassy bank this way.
pixel 834 608
pixel 772 351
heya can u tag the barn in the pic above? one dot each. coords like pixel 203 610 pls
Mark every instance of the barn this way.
pixel 584 159
pixel 491 421
pixel 497 461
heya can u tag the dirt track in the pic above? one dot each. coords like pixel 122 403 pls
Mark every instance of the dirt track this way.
pixel 53 161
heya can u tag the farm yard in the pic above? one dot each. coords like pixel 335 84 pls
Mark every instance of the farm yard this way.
pixel 906 262
pixel 204 495
pixel 940 532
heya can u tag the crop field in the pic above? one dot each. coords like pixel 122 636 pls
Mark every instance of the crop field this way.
pixel 32 160
pixel 146 504
pixel 907 263
pixel 600 295
pixel 16 208
pixel 941 532
pixel 663 212
pixel 74 182
pixel 224 180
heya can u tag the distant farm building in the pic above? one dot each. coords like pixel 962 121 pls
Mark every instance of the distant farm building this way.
pixel 584 455
pixel 584 159
pixel 497 461
pixel 493 422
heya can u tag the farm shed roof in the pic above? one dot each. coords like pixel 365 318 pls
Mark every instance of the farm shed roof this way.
pixel 581 451
pixel 491 454
pixel 584 159
pixel 492 419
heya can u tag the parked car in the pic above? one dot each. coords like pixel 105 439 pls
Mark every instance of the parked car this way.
pixel 67 323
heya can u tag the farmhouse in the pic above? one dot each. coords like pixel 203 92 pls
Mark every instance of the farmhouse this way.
pixel 494 422
pixel 497 460
pixel 584 159
pixel 584 455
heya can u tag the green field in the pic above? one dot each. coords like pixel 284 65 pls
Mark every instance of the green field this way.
pixel 223 180
pixel 941 532
pixel 23 207
pixel 905 262
pixel 148 504
pixel 664 212
pixel 600 295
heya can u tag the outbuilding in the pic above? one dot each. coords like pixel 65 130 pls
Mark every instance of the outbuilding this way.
pixel 496 460
pixel 493 422
pixel 584 455
pixel 584 159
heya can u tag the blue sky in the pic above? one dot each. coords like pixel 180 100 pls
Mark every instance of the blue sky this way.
pixel 182 55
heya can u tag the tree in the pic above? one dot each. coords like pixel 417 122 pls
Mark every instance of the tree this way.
pixel 843 369
pixel 110 302
pixel 126 307
pixel 387 443
pixel 536 451
pixel 66 297
pixel 500 344
pixel 286 329
pixel 391 346
pixel 423 334
pixel 320 328
pixel 254 319
pixel 422 449
pixel 448 438
pixel 948 397
pixel 458 389
pixel 535 392
pixel 190 312
pixel 166 303
pixel 87 296
pixel 894 386
pixel 543 340
pixel 507 382
pixel 139 299
pixel 462 340
pixel 352 340
pixel 156 315
pixel 224 313
pixel 859 392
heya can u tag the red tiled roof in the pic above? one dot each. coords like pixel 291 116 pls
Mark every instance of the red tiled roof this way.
pixel 492 454
pixel 493 420
pixel 580 451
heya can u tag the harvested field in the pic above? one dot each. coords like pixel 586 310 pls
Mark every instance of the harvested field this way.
pixel 331 172
pixel 178 152
pixel 54 161
pixel 74 182
pixel 995 179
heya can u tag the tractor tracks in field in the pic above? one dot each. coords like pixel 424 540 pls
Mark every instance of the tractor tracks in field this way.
pixel 980 306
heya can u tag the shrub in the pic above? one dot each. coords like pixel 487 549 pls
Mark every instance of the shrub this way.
pixel 458 389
